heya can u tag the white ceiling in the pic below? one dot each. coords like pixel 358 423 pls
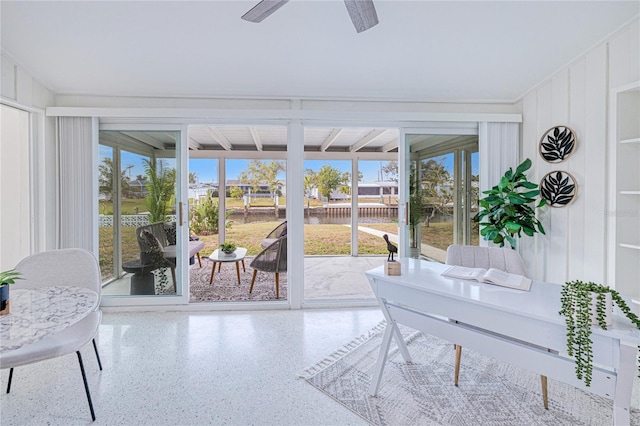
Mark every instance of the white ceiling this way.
pixel 421 50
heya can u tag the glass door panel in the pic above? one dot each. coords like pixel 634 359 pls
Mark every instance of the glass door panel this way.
pixel 137 192
pixel 443 193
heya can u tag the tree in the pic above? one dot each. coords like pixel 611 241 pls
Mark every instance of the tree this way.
pixel 310 182
pixel 106 179
pixel 330 179
pixel 436 184
pixel 236 192
pixel 390 171
pixel 161 182
pixel 193 178
pixel 263 173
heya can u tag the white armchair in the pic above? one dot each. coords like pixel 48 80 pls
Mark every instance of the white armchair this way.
pixel 68 267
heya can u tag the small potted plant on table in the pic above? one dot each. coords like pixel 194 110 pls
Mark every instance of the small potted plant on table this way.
pixel 6 278
pixel 584 305
pixel 227 248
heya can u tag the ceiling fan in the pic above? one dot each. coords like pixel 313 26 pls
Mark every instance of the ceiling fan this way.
pixel 362 12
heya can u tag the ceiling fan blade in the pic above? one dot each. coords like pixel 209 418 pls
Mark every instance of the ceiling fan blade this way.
pixel 363 14
pixel 263 9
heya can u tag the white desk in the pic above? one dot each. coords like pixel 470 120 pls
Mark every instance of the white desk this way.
pixel 423 299
pixel 40 312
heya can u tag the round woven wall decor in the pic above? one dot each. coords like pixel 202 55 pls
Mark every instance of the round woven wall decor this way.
pixel 557 144
pixel 558 188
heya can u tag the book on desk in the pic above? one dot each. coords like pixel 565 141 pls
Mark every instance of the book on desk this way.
pixel 490 276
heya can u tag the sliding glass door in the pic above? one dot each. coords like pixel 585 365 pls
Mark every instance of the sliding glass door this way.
pixel 139 213
pixel 442 181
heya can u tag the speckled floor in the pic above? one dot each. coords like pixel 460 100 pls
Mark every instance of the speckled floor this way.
pixel 180 368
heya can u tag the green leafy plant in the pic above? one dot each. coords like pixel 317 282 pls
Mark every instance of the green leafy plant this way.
pixel 204 217
pixel 508 209
pixel 576 299
pixel 161 180
pixel 228 247
pixel 10 277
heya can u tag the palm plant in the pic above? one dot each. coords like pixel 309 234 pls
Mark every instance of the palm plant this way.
pixel 160 187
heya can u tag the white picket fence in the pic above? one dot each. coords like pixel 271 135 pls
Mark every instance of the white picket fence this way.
pixel 106 221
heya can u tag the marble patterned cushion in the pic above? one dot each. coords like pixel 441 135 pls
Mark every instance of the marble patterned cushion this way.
pixel 170 231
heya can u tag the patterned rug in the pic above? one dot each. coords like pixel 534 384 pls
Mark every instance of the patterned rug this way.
pixel 423 393
pixel 225 287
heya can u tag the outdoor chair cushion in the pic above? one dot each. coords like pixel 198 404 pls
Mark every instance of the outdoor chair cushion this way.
pixel 164 238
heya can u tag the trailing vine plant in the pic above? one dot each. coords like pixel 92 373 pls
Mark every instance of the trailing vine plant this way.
pixel 576 299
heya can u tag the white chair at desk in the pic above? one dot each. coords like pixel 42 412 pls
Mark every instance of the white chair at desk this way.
pixel 488 257
pixel 66 267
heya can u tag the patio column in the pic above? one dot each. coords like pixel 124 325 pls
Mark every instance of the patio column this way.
pixel 295 213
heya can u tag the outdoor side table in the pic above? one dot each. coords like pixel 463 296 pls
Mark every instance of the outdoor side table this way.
pixel 220 257
pixel 142 280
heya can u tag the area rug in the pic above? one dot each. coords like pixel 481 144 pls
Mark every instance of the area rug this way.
pixel 225 287
pixel 422 393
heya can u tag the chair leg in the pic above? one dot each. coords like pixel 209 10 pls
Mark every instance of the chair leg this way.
pixel 95 348
pixel 545 394
pixel 10 377
pixel 173 275
pixel 213 272
pixel 86 386
pixel 277 285
pixel 457 369
pixel 199 261
pixel 255 272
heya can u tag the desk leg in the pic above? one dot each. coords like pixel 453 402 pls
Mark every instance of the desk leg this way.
pixel 238 271
pixel 382 360
pixel 624 384
pixel 391 330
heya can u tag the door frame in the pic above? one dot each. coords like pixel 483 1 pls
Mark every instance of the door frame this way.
pixel 182 202
pixel 404 166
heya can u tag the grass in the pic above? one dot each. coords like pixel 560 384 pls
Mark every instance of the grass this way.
pixel 129 206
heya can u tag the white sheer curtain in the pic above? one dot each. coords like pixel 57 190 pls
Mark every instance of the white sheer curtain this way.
pixel 499 146
pixel 76 182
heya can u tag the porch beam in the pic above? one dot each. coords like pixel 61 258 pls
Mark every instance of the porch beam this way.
pixel 194 144
pixel 219 138
pixel 330 139
pixel 256 138
pixel 370 137
pixel 389 146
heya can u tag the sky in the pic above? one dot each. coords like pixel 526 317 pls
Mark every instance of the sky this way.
pixel 206 170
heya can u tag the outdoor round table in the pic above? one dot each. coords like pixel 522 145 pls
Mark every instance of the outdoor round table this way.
pixel 142 280
pixel 220 257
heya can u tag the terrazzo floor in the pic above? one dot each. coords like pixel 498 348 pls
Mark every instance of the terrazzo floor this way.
pixel 186 368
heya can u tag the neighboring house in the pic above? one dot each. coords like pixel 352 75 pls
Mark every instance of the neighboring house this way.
pixel 138 188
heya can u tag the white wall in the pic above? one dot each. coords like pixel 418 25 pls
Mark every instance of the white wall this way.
pixel 19 89
pixel 577 96
pixel 15 213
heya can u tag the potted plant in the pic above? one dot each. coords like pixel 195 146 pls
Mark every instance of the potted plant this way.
pixel 227 248
pixel 508 210
pixel 585 304
pixel 6 278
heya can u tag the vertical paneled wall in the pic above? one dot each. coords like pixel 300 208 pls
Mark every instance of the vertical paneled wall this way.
pixel 577 96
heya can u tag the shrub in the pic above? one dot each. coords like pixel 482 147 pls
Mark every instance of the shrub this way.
pixel 204 217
